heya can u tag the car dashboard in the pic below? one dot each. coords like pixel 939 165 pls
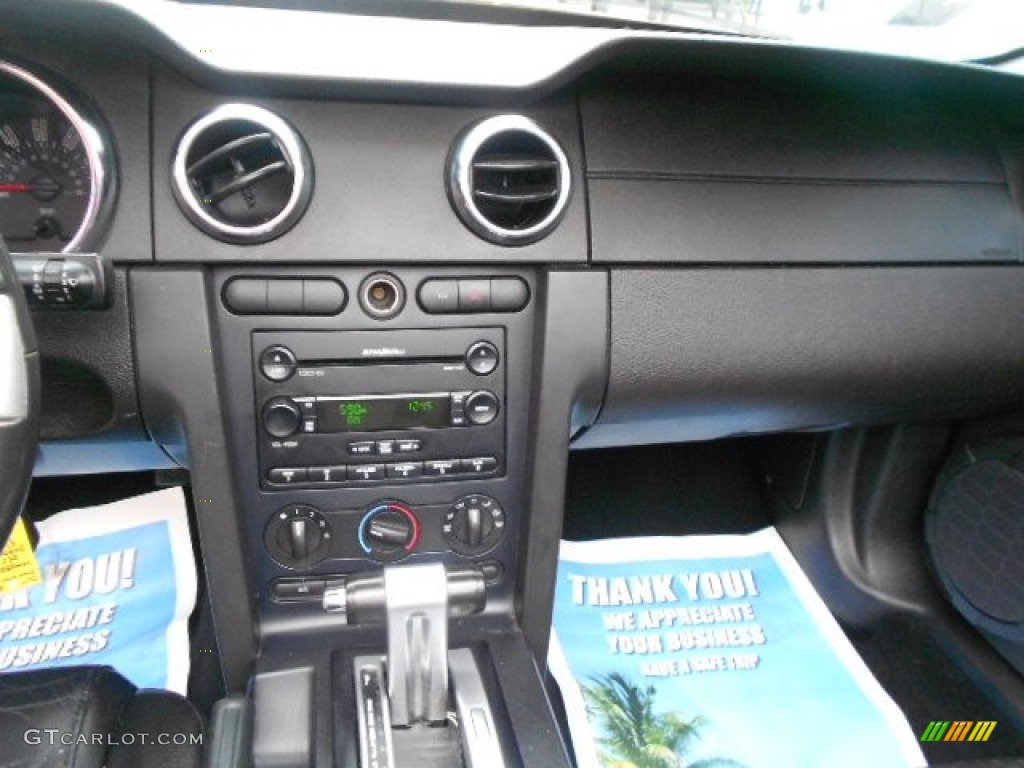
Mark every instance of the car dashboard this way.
pixel 371 280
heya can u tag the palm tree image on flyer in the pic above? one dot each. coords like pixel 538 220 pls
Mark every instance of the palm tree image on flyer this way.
pixel 635 736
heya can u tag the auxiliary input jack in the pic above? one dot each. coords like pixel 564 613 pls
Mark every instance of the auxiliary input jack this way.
pixel 382 295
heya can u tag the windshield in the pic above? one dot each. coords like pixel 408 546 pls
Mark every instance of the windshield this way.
pixel 951 30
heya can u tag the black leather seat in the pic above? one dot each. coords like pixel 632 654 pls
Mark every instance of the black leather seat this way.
pixel 90 716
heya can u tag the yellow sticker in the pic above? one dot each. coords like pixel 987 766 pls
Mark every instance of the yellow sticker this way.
pixel 19 568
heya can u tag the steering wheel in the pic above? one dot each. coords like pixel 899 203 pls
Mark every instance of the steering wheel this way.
pixel 19 396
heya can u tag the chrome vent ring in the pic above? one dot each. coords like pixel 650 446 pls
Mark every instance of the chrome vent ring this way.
pixel 242 174
pixel 508 180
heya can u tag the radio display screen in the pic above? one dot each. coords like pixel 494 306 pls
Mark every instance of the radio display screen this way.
pixel 372 414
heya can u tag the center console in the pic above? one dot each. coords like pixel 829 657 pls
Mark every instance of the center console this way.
pixel 378 427
pixel 375 428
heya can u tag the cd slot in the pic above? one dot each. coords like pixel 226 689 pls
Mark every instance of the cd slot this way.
pixel 379 361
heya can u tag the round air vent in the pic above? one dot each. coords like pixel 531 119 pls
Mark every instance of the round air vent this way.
pixel 242 174
pixel 508 180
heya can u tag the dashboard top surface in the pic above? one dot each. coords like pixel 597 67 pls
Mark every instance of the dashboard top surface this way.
pixel 374 56
pixel 686 150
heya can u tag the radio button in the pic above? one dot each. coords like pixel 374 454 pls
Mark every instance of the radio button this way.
pixel 277 363
pixel 481 466
pixel 482 408
pixel 287 475
pixel 368 448
pixel 385 447
pixel 441 467
pixel 332 474
pixel 482 358
pixel 458 406
pixel 408 446
pixel 309 426
pixel 405 470
pixel 362 472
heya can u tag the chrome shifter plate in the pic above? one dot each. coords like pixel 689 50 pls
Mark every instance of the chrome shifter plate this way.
pixel 375 746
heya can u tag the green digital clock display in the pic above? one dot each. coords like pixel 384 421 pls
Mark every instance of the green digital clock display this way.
pixel 374 414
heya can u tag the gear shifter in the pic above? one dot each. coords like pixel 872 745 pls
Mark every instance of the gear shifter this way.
pixel 417 610
pixel 408 689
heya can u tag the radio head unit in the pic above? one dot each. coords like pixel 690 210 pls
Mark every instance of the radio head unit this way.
pixel 378 407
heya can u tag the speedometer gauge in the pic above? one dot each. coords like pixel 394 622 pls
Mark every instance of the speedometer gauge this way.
pixel 56 175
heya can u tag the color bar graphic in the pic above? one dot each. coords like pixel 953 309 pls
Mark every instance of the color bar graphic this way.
pixel 935 731
pixel 982 730
pixel 958 730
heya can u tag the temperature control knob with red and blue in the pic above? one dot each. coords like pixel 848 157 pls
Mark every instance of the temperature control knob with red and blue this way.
pixel 389 531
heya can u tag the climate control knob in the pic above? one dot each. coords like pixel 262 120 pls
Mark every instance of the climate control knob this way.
pixel 474 524
pixel 389 531
pixel 298 536
pixel 281 417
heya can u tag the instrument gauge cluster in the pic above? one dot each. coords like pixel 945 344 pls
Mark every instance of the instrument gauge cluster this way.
pixel 56 166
